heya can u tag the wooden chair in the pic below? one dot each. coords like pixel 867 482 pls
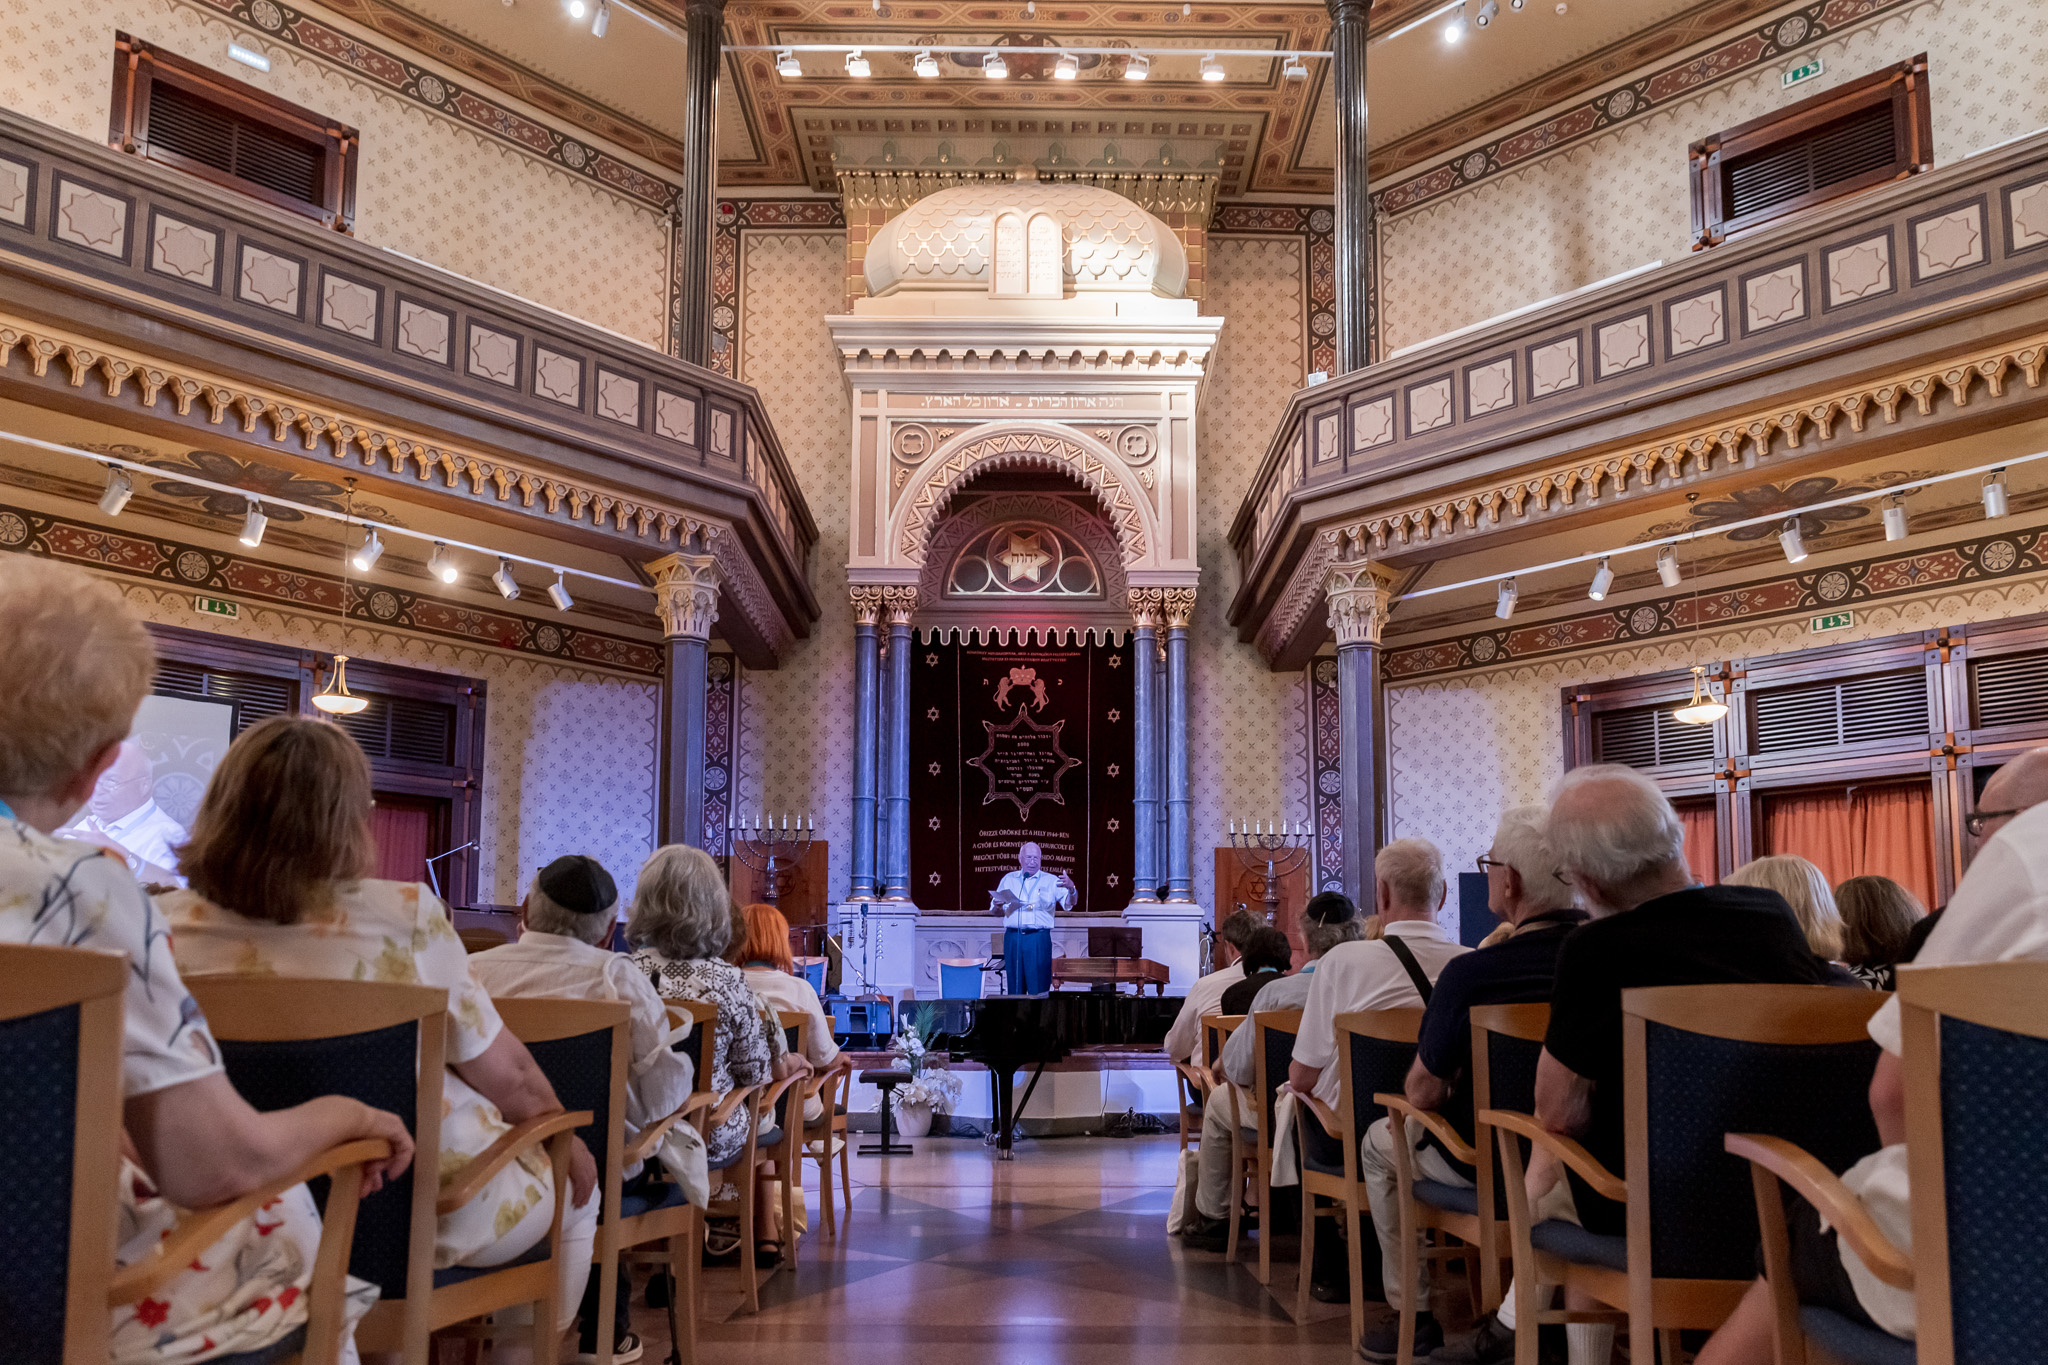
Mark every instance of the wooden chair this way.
pixel 1698 1062
pixel 1273 1034
pixel 1506 1041
pixel 1975 1054
pixel 1191 1079
pixel 1216 1030
pixel 824 1139
pixel 584 1048
pixel 286 1041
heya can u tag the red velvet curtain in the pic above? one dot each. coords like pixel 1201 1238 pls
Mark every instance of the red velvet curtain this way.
pixel 1884 830
pixel 401 828
pixel 1702 842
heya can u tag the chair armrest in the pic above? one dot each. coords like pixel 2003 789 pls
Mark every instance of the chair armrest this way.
pixel 1196 1077
pixel 500 1154
pixel 1459 1149
pixel 650 1137
pixel 765 1096
pixel 1823 1189
pixel 1325 1115
pixel 201 1228
pixel 1605 1183
pixel 731 1100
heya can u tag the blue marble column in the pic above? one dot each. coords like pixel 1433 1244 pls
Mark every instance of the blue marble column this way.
pixel 1359 598
pixel 686 599
pixel 867 685
pixel 1180 882
pixel 1156 671
pixel 899 603
pixel 1145 606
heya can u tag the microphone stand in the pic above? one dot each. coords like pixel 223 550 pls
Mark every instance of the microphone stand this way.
pixel 434 881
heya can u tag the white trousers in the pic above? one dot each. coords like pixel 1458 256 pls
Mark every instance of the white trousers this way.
pixel 579 1235
pixel 1213 1191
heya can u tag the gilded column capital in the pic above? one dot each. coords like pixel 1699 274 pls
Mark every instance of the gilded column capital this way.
pixel 1180 607
pixel 686 594
pixel 1148 607
pixel 900 604
pixel 1360 596
pixel 867 603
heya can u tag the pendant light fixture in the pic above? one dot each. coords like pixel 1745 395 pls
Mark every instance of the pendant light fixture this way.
pixel 335 698
pixel 1704 708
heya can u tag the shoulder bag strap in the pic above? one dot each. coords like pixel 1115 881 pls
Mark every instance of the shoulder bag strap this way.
pixel 1407 957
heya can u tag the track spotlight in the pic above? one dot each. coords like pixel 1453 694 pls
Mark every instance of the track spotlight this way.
pixel 1504 607
pixel 120 488
pixel 787 66
pixel 559 595
pixel 1487 13
pixel 857 65
pixel 365 557
pixel 253 522
pixel 1994 494
pixel 1667 566
pixel 1294 69
pixel 1067 67
pixel 1894 518
pixel 1603 579
pixel 577 9
pixel 1516 5
pixel 441 565
pixel 502 580
pixel 1794 543
pixel 926 65
pixel 1137 68
pixel 603 20
pixel 1454 31
pixel 1212 70
pixel 994 67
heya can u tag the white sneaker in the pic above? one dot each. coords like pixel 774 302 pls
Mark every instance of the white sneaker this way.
pixel 625 1352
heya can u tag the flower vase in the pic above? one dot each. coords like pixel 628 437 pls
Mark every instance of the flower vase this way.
pixel 913 1118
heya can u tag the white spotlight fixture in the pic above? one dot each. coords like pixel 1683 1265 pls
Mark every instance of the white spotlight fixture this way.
pixel 1516 5
pixel 1294 69
pixel 603 20
pixel 1454 31
pixel 1504 606
pixel 1994 494
pixel 502 580
pixel 1067 67
pixel 1704 708
pixel 857 65
pixel 926 65
pixel 1487 13
pixel 994 67
pixel 1212 70
pixel 1667 566
pixel 577 9
pixel 1603 579
pixel 441 565
pixel 1794 543
pixel 253 522
pixel 365 557
pixel 1138 68
pixel 1894 518
pixel 787 66
pixel 559 595
pixel 120 488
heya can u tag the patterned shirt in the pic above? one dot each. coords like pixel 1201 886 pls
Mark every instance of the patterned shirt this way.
pixel 747 1043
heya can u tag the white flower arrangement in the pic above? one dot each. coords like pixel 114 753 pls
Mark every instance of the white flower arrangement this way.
pixel 930 1082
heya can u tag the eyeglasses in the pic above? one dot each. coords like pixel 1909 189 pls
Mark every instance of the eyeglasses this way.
pixel 1485 862
pixel 1976 821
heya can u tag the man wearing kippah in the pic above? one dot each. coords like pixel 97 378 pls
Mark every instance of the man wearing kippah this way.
pixel 566 921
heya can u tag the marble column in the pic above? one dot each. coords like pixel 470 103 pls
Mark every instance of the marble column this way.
pixel 1359 597
pixel 1155 672
pixel 899 604
pixel 1146 606
pixel 686 599
pixel 1180 882
pixel 1348 34
pixel 703 44
pixel 867 685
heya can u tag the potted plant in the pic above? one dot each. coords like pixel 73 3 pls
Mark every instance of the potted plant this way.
pixel 931 1085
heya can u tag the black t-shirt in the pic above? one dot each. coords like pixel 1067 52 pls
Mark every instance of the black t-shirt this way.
pixel 1237 997
pixel 1700 936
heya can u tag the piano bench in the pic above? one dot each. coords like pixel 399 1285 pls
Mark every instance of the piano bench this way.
pixel 886 1080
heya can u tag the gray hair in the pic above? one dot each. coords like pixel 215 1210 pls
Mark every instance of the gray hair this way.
pixel 1519 842
pixel 1413 871
pixel 1320 936
pixel 1805 888
pixel 546 915
pixel 1610 825
pixel 680 905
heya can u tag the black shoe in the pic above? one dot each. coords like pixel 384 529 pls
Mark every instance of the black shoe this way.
pixel 1205 1233
pixel 1488 1343
pixel 1330 1291
pixel 657 1289
pixel 1381 1345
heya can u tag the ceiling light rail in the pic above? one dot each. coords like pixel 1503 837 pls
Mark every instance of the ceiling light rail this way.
pixel 983 49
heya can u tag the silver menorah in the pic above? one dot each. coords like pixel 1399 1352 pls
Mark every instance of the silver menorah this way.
pixel 1269 851
pixel 774 852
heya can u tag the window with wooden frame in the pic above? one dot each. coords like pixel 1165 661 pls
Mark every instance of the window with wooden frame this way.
pixel 1629 721
pixel 1865 133
pixel 169 109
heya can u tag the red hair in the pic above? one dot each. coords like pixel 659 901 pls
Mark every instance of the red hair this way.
pixel 767 939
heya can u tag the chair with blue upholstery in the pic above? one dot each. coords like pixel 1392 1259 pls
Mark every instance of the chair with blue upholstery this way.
pixel 812 969
pixel 960 978
pixel 1697 1062
pixel 584 1047
pixel 1976 1088
pixel 1273 1034
pixel 287 1041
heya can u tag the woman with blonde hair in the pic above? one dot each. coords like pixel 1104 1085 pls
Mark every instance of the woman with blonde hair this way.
pixel 1878 916
pixel 1806 890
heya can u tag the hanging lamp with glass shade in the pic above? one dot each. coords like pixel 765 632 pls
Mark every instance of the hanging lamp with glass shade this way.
pixel 1704 708
pixel 335 698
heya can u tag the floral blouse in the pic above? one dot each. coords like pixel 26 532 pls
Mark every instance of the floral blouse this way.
pixel 394 932
pixel 741 1054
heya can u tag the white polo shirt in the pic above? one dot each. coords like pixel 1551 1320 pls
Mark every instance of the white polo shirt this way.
pixel 1202 998
pixel 1364 975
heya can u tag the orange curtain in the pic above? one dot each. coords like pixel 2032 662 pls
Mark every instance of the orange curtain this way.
pixel 1885 830
pixel 1702 845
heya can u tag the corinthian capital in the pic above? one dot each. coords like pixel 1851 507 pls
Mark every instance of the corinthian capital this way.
pixel 867 603
pixel 900 603
pixel 1148 606
pixel 1180 607
pixel 1360 596
pixel 686 594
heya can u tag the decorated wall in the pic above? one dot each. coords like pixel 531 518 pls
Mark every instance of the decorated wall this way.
pixel 450 172
pixel 1599 186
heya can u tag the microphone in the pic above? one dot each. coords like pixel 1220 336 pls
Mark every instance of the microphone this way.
pixel 434 881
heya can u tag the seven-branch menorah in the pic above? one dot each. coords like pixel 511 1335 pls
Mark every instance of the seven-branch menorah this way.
pixel 1267 850
pixel 775 853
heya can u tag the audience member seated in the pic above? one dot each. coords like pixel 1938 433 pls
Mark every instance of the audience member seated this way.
pixel 1268 956
pixel 1536 911
pixel 1878 916
pixel 276 869
pixel 565 922
pixel 1327 920
pixel 764 958
pixel 1998 914
pixel 76 666
pixel 1232 936
pixel 1805 889
pixel 681 925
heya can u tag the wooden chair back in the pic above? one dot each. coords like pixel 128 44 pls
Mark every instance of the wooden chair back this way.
pixel 60 1087
pixel 1273 1034
pixel 1216 1031
pixel 698 1022
pixel 1375 1048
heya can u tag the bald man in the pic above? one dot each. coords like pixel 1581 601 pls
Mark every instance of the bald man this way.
pixel 1028 898
pixel 123 816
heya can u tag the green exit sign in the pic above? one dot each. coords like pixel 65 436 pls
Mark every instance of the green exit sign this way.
pixel 1834 620
pixel 1805 71
pixel 214 606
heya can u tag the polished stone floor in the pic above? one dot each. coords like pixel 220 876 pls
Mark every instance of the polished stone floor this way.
pixel 1059 1257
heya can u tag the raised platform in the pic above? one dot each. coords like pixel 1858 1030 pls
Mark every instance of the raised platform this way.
pixel 893 947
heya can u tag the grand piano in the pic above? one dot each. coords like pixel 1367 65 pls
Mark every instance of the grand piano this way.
pixel 1008 1033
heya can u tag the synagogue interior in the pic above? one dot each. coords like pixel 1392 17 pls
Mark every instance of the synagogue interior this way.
pixel 1043 681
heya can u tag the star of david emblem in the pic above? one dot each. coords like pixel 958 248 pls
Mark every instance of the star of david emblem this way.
pixel 1023 762
pixel 934 822
pixel 1115 714
pixel 1116 661
pixel 931 713
pixel 1115 769
pixel 933 879
pixel 1112 879
pixel 1024 557
pixel 931 661
pixel 1115 824
pixel 933 770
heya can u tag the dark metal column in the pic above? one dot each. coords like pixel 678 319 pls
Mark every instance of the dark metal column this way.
pixel 1348 33
pixel 703 40
pixel 686 598
pixel 1359 598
